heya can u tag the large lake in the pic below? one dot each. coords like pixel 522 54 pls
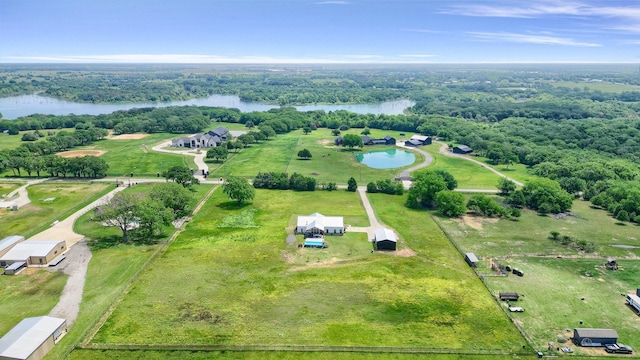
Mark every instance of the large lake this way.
pixel 16 106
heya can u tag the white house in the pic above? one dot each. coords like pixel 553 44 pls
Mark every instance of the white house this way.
pixel 317 223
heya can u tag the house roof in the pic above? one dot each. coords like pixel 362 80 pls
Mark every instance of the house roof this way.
pixel 383 234
pixel 413 142
pixel 22 251
pixel 9 241
pixel 464 148
pixel 388 137
pixel 26 337
pixel 472 257
pixel 421 138
pixel 595 333
pixel 319 221
pixel 365 138
pixel 220 131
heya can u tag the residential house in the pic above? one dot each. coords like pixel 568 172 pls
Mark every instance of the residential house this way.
pixel 318 224
pixel 462 149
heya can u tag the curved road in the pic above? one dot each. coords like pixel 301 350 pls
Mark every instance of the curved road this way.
pixel 197 158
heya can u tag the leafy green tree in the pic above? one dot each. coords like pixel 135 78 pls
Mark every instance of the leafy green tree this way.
pixel 351 141
pixel 305 154
pixel 331 186
pixel 450 203
pixel 622 215
pixel 366 131
pixel 152 216
pixel 486 206
pixel 218 153
pixel 506 186
pixel 424 188
pixel 452 183
pixel 238 189
pixel 306 130
pixel 352 185
pixel 29 137
pixel 181 175
pixel 546 196
pixel 335 132
pixel 173 196
pixel 268 131
pixel 554 235
pixel 372 188
pixel 121 211
pixel 573 185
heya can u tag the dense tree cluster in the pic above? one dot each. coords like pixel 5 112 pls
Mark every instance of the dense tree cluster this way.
pixel 282 181
pixel 385 186
pixel 426 184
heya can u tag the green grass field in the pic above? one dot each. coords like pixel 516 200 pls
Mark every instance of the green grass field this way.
pixel 530 234
pixel 246 286
pixel 469 175
pixel 8 187
pixel 601 86
pixel 328 164
pixel 553 290
pixel 52 200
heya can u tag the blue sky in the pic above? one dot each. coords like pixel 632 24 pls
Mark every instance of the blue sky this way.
pixel 322 31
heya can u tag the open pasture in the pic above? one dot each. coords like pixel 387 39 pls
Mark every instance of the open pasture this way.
pixel 530 234
pixel 559 294
pixel 241 289
pixel 52 200
pixel 469 174
pixel 7 187
pixel 599 86
pixel 329 163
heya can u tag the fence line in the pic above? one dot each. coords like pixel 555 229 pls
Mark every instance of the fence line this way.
pixel 486 285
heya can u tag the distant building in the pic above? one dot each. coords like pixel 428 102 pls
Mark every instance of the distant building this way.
pixel 387 140
pixel 462 149
pixel 418 140
pixel 385 239
pixel 7 243
pixel 221 132
pixel 32 338
pixel 197 141
pixel 318 224
pixel 594 337
pixel 471 259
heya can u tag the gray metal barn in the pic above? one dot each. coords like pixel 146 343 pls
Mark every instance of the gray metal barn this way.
pixel 594 337
pixel 32 338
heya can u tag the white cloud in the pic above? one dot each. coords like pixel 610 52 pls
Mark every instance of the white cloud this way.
pixel 529 39
pixel 524 10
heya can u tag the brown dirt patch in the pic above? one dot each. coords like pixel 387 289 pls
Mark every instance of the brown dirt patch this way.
pixel 324 142
pixel 129 136
pixel 405 253
pixel 80 153
pixel 475 222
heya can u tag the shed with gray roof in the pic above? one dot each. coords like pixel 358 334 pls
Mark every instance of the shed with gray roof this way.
pixel 594 337
pixel 32 338
pixel 7 243
pixel 385 239
pixel 34 252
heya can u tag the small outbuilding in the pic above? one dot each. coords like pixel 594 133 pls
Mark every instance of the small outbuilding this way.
pixel 32 338
pixel 385 239
pixel 594 337
pixel 508 296
pixel 34 252
pixel 462 149
pixel 471 259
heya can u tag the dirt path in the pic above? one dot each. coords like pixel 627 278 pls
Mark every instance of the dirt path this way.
pixel 75 265
pixel 444 151
pixel 20 196
pixel 197 158
pixel 373 221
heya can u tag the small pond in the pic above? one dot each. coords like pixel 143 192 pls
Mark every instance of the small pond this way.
pixel 386 159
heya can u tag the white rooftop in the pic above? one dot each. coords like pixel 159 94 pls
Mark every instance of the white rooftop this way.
pixel 420 137
pixel 22 251
pixel 320 221
pixel 9 241
pixel 26 337
pixel 385 234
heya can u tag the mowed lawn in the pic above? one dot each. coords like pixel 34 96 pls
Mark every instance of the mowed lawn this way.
pixel 329 163
pixel 468 174
pixel 51 200
pixel 7 187
pixel 530 234
pixel 245 285
pixel 559 294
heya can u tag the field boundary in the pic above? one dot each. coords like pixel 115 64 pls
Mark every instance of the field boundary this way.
pixel 489 290
pixel 296 348
pixel 95 325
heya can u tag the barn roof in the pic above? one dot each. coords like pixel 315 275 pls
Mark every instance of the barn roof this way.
pixel 26 337
pixel 421 138
pixel 413 142
pixel 22 251
pixel 464 148
pixel 9 241
pixel 472 257
pixel 320 221
pixel 595 333
pixel 383 234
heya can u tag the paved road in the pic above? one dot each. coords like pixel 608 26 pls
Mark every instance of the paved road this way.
pixel 20 196
pixel 198 158
pixel 373 221
pixel 428 159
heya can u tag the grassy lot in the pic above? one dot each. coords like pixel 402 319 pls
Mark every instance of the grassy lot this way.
pixel 112 266
pixel 554 290
pixel 28 295
pixel 7 187
pixel 62 200
pixel 469 175
pixel 13 141
pixel 246 286
pixel 328 164
pixel 601 86
pixel 530 234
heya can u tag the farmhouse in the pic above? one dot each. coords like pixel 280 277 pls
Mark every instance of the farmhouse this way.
pixel 7 243
pixel 317 223
pixel 633 300
pixel 387 140
pixel 418 140
pixel 197 141
pixel 462 149
pixel 34 252
pixel 471 259
pixel 594 337
pixel 32 338
pixel 385 239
